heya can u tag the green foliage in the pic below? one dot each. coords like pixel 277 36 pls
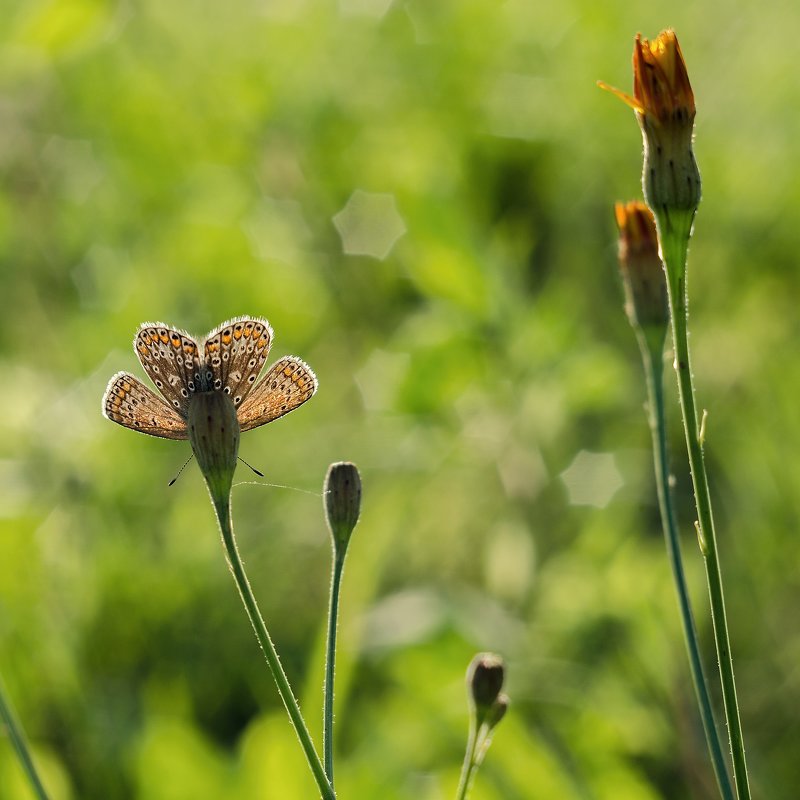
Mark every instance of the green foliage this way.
pixel 186 162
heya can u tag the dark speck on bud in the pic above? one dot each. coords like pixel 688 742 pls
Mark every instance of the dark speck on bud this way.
pixel 485 676
pixel 214 436
pixel 342 497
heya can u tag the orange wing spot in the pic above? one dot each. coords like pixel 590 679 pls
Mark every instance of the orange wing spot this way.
pixel 226 337
pixel 287 371
pixel 237 334
pixel 176 340
pixel 213 347
pixel 142 348
pixel 164 338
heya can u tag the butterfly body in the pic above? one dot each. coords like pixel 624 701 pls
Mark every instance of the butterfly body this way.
pixel 228 360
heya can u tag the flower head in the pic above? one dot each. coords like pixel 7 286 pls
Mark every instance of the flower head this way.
pixel 664 104
pixel 661 85
pixel 640 265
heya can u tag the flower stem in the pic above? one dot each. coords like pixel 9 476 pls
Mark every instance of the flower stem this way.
pixel 674 236
pixel 468 767
pixel 330 661
pixel 654 376
pixel 223 509
pixel 17 737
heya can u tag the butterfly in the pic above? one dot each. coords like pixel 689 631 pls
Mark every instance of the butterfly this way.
pixel 228 360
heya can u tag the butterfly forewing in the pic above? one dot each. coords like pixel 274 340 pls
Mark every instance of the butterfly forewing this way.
pixel 235 352
pixel 129 402
pixel 171 360
pixel 287 385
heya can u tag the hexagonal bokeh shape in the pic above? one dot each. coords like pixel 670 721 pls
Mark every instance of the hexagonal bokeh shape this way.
pixel 592 479
pixel 369 224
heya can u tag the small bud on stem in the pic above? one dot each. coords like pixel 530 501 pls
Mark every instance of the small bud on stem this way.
pixel 342 496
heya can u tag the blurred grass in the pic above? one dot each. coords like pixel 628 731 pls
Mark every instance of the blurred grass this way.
pixel 184 162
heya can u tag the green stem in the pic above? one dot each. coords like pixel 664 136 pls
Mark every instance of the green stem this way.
pixel 223 510
pixel 330 662
pixel 674 243
pixel 467 768
pixel 652 359
pixel 15 733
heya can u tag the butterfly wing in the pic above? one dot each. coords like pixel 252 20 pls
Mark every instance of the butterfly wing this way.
pixel 171 360
pixel 130 403
pixel 235 353
pixel 287 385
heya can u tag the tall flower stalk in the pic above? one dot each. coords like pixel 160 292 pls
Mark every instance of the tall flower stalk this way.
pixel 648 312
pixel 487 706
pixel 665 109
pixel 342 499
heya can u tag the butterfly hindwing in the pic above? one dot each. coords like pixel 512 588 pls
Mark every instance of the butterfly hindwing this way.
pixel 287 384
pixel 235 353
pixel 171 360
pixel 130 403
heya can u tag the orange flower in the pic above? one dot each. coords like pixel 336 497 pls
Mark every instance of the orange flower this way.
pixel 661 85
pixel 664 104
pixel 640 265
pixel 661 88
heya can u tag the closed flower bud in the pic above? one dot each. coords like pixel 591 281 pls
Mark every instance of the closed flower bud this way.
pixel 485 676
pixel 642 272
pixel 214 436
pixel 342 497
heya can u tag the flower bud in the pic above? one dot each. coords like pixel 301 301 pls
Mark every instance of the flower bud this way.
pixel 214 436
pixel 485 676
pixel 670 177
pixel 664 104
pixel 342 496
pixel 640 265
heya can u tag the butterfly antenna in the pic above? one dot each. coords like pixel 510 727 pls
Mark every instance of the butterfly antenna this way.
pixel 181 469
pixel 260 474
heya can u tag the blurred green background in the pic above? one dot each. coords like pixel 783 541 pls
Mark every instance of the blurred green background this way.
pixel 418 196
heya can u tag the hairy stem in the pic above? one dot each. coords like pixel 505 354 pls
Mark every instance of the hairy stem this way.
pixel 330 662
